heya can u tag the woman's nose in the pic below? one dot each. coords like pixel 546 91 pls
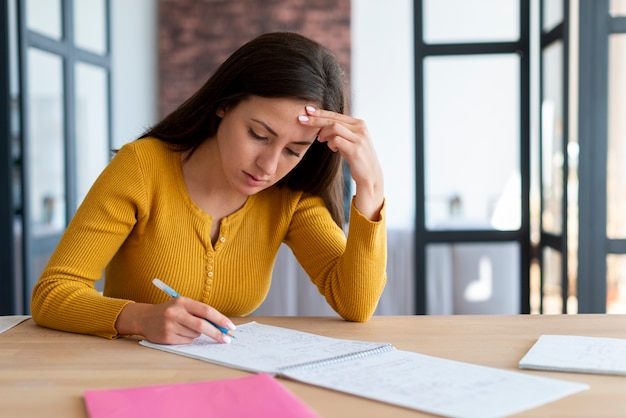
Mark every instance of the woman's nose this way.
pixel 268 161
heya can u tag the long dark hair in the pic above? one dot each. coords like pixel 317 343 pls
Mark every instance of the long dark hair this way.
pixel 273 65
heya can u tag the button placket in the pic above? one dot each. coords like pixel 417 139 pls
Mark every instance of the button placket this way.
pixel 210 265
pixel 210 268
pixel 222 237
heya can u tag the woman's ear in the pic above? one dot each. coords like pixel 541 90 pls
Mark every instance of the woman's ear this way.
pixel 221 111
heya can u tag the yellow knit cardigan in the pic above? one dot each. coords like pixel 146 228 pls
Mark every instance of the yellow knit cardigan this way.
pixel 138 222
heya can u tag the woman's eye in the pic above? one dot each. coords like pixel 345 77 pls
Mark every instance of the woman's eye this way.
pixel 264 138
pixel 255 135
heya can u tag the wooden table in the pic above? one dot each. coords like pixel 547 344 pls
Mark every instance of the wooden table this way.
pixel 44 373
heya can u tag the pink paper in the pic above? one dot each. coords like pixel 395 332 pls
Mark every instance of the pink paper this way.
pixel 258 395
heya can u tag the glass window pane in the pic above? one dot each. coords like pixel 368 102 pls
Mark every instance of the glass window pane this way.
pixel 465 21
pixel 382 72
pixel 616 168
pixel 552 138
pixel 618 7
pixel 551 275
pixel 616 284
pixel 92 130
pixel 473 278
pixel 46 159
pixel 44 16
pixel 552 14
pixel 90 25
pixel 471 146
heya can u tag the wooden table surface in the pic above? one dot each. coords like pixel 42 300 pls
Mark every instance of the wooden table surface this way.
pixel 44 373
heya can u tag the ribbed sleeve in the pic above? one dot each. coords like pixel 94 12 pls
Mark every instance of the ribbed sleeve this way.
pixel 350 273
pixel 65 296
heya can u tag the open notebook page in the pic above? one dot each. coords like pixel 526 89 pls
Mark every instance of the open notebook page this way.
pixel 267 349
pixel 439 386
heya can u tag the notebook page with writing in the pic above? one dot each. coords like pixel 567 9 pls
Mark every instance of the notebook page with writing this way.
pixel 571 353
pixel 436 385
pixel 266 349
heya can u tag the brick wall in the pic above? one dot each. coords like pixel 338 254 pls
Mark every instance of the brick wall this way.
pixel 195 36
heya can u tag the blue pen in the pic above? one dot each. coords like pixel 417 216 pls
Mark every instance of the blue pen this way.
pixel 158 283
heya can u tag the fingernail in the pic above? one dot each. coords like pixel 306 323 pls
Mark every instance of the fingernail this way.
pixel 310 108
pixel 231 326
pixel 226 339
pixel 303 118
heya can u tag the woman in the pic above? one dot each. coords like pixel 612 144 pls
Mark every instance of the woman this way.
pixel 204 199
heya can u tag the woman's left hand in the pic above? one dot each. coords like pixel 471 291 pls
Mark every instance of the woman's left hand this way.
pixel 350 137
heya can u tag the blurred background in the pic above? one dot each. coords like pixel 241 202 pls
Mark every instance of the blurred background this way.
pixel 499 125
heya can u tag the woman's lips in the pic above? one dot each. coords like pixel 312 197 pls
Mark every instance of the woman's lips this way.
pixel 254 181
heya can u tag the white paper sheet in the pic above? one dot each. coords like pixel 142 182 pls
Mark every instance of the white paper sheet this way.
pixel 439 386
pixel 571 353
pixel 9 321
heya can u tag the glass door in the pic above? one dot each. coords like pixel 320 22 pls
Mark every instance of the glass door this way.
pixel 616 169
pixel 602 138
pixel 472 156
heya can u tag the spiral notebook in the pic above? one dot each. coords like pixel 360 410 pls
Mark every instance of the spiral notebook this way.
pixel 379 371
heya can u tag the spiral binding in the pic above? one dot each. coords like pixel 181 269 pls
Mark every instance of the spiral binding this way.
pixel 337 359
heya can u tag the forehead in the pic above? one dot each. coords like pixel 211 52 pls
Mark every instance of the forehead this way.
pixel 278 107
pixel 278 115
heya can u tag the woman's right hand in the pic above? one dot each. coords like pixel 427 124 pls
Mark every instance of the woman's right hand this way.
pixel 177 321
